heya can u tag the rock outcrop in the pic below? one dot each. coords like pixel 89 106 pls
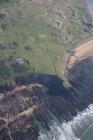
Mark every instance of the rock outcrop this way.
pixel 24 114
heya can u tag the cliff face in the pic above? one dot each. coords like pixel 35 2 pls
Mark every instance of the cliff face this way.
pixel 81 77
pixel 25 113
pixel 35 102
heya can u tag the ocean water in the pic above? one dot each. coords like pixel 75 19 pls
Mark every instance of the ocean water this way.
pixel 88 135
pixel 79 128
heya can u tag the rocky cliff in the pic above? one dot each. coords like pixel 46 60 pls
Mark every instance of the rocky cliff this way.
pixel 25 113
pixel 32 104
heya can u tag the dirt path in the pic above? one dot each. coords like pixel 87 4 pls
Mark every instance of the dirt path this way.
pixel 80 53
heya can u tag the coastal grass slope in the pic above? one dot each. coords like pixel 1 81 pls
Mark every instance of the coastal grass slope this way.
pixel 35 35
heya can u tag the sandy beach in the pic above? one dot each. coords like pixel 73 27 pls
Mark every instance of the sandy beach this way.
pixel 80 53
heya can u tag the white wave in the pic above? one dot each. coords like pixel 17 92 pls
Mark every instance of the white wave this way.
pixel 71 130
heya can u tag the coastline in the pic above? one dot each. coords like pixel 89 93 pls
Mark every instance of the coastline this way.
pixel 78 54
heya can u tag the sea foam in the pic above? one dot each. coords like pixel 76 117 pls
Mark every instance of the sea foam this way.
pixel 71 130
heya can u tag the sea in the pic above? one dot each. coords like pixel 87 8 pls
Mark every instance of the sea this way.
pixel 81 126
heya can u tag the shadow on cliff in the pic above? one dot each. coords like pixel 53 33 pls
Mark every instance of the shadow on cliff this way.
pixel 81 79
pixel 59 100
pixel 53 83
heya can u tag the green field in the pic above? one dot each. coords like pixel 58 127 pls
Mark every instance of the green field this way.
pixel 39 40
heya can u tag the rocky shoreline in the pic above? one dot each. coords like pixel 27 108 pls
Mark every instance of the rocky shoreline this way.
pixel 33 103
pixel 54 103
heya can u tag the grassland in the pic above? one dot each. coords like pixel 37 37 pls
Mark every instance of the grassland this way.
pixel 40 35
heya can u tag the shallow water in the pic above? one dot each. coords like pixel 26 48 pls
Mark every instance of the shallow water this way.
pixel 88 134
pixel 79 128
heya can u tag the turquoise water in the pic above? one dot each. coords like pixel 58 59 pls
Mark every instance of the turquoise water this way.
pixel 90 6
pixel 88 134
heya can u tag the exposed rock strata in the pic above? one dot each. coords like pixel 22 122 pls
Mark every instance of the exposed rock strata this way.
pixel 25 111
pixel 23 115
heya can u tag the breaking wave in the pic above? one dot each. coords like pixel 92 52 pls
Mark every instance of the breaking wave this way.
pixel 71 130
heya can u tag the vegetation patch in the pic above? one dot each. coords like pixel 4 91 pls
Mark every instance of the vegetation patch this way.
pixel 40 34
pixel 17 68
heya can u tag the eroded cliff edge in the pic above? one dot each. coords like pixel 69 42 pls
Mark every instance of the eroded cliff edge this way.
pixel 28 111
pixel 34 103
